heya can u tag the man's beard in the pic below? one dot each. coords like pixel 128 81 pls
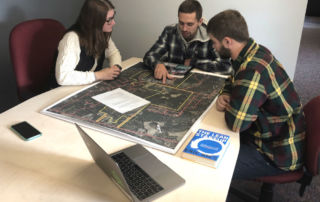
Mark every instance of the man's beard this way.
pixel 225 53
pixel 189 36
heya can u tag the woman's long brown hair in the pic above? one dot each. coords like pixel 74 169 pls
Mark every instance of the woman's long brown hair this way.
pixel 89 26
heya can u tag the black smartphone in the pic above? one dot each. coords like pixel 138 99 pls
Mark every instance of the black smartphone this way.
pixel 26 131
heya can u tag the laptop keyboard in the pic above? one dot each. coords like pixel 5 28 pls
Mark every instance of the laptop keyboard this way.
pixel 140 183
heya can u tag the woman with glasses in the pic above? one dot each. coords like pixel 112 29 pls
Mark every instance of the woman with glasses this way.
pixel 84 47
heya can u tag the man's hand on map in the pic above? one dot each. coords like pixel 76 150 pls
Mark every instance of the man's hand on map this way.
pixel 223 102
pixel 161 72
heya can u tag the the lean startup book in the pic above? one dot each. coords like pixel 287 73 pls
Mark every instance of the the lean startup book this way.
pixel 206 147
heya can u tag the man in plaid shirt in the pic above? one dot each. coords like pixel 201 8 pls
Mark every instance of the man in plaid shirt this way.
pixel 260 102
pixel 185 43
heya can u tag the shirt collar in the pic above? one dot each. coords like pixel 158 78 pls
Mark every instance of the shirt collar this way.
pixel 245 54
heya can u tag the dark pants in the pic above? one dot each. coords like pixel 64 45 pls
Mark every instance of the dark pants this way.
pixel 251 164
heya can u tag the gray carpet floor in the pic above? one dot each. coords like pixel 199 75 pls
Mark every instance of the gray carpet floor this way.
pixel 307 75
pixel 307 84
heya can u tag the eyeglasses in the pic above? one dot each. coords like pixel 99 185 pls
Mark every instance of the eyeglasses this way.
pixel 109 20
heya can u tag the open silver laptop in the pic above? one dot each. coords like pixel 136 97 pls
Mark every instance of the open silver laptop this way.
pixel 137 172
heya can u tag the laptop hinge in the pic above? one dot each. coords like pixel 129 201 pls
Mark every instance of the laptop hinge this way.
pixel 122 190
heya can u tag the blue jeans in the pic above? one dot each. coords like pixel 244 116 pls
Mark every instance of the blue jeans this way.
pixel 251 164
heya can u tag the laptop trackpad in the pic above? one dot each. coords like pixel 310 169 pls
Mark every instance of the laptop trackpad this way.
pixel 144 159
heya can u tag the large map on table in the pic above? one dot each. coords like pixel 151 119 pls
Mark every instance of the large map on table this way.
pixel 163 124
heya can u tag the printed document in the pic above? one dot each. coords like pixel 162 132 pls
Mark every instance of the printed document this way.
pixel 120 100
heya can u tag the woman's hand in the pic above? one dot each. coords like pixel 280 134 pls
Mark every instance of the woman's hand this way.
pixel 109 73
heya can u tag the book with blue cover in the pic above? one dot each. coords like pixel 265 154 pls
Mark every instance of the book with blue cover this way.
pixel 207 147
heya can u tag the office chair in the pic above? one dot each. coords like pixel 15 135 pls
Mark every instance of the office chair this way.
pixel 33 48
pixel 312 159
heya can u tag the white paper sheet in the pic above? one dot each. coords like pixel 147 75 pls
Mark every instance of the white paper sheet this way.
pixel 120 100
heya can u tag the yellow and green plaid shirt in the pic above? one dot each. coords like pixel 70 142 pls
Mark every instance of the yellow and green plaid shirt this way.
pixel 265 107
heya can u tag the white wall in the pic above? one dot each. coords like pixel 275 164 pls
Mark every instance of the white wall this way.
pixel 277 24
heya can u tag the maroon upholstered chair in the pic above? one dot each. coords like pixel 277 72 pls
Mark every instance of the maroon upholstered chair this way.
pixel 33 45
pixel 312 159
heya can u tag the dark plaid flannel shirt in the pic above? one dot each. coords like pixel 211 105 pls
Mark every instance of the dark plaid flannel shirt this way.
pixel 265 107
pixel 172 48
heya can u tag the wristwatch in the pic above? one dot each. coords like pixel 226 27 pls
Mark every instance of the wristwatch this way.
pixel 119 67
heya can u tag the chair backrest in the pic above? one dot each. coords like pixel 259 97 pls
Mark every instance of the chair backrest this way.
pixel 33 45
pixel 312 114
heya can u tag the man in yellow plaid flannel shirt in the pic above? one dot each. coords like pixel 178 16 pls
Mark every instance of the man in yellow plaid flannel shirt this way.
pixel 259 101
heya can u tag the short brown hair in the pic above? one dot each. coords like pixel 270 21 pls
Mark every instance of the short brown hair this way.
pixel 228 23
pixel 190 6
